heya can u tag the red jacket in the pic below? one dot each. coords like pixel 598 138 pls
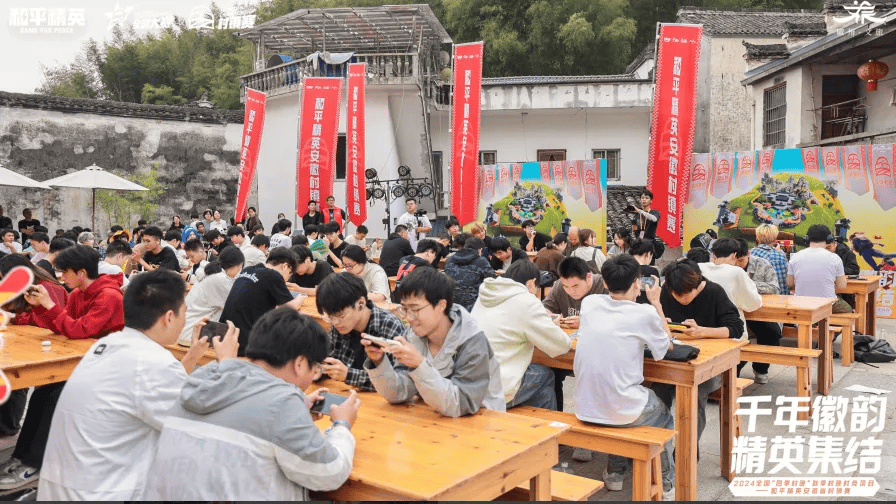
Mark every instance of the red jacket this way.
pixel 59 296
pixel 94 312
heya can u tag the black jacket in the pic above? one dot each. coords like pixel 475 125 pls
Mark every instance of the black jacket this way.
pixel 540 240
pixel 394 249
pixel 515 253
pixel 468 269
pixel 850 267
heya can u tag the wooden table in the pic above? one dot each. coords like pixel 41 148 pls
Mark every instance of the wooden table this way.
pixel 865 291
pixel 25 362
pixel 717 357
pixel 411 452
pixel 803 311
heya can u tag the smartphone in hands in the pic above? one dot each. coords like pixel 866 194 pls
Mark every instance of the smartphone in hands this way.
pixel 212 329
pixel 328 400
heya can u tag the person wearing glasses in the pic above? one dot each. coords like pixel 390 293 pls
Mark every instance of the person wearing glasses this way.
pixel 344 302
pixel 447 360
pixel 354 260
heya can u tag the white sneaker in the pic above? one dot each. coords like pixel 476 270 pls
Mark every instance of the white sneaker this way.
pixel 613 481
pixel 760 378
pixel 7 466
pixel 18 475
pixel 669 495
pixel 582 455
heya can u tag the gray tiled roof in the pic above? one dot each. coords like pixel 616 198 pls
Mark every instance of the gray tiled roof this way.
pixel 647 53
pixel 766 50
pixel 557 79
pixel 805 29
pixel 619 197
pixel 747 21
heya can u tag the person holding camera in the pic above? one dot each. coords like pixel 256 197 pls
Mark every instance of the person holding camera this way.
pixel 416 222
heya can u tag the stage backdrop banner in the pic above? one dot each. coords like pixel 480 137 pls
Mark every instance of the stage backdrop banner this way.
pixel 801 187
pixel 355 190
pixel 318 127
pixel 253 127
pixel 672 127
pixel 465 131
pixel 580 196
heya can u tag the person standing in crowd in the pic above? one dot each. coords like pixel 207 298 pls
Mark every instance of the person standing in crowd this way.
pixel 532 240
pixel 549 258
pixel 27 225
pixel 622 242
pixel 609 363
pixel 206 299
pixel 207 220
pixel 447 360
pixel 346 303
pixel 258 252
pixel 258 290
pixel 312 217
pixel 281 237
pixel 416 222
pixel 310 272
pixel 514 338
pixel 335 244
pixel 588 250
pixel 503 254
pixel 155 255
pixel 767 249
pixel 255 411
pixel 574 243
pixel 8 245
pixel 334 214
pixel 5 222
pixel 468 269
pixel 252 220
pixel 354 260
pixel 646 220
pixel 106 425
pixel 176 224
pixel 814 271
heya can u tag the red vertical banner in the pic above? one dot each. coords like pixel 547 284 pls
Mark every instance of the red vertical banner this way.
pixel 672 127
pixel 253 127
pixel 318 127
pixel 355 194
pixel 465 130
pixel 746 165
pixel 810 161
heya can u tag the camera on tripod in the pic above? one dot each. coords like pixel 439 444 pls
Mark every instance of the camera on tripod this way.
pixel 420 212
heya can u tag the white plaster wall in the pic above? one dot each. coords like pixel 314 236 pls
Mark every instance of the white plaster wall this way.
pixel 517 137
pixel 564 96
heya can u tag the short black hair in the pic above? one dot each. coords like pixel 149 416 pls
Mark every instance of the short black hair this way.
pixel 6 230
pixel 78 229
pixel 641 247
pixel 172 234
pixel 116 228
pixel 141 222
pixel 283 335
pixel 499 243
pixel 526 223
pixel 560 238
pixel 399 228
pixel 59 244
pixel 460 241
pixel 312 228
pixel 474 243
pixel 311 201
pixel 427 244
pixel 77 258
pixel 235 231
pixel 284 224
pixel 115 247
pixel 227 258
pixel 362 229
pixel 330 227
pixel 744 248
pixel 302 253
pixel 429 283
pixel 299 239
pixel 339 291
pixel 522 272
pixel 150 295
pixel 212 235
pixel 819 233
pixel 71 235
pixel 355 253
pixel 193 245
pixel 153 231
pixel 410 199
pixel 282 255
pixel 40 237
pixel 682 276
pixel 698 255
pixel 647 192
pixel 252 208
pixel 573 267
pixel 724 247
pixel 260 239
pixel 620 272
pixel 623 232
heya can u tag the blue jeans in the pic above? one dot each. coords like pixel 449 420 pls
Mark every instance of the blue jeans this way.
pixel 655 414
pixel 536 389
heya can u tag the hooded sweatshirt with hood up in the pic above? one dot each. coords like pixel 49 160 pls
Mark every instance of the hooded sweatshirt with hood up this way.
pixel 463 377
pixel 515 322
pixel 90 313
pixel 468 269
pixel 235 412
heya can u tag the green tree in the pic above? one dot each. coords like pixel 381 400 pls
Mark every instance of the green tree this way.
pixel 123 206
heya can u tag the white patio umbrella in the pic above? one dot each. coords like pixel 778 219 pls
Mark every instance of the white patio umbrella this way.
pixel 11 178
pixel 93 177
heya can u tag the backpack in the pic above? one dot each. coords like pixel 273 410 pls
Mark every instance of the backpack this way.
pixel 868 349
pixel 592 263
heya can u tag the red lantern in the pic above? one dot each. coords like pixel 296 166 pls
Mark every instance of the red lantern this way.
pixel 872 72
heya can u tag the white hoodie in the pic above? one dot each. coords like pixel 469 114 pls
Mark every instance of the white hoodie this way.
pixel 741 289
pixel 515 322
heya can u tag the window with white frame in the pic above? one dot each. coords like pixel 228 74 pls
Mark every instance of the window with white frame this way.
pixel 488 157
pixel 774 115
pixel 613 159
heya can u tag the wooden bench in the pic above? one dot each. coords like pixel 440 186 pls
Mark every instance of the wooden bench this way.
pixel 845 323
pixel 642 444
pixel 564 487
pixel 716 396
pixel 785 356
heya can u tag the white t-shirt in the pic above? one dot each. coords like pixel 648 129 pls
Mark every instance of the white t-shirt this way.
pixel 205 299
pixel 15 249
pixel 609 362
pixel 280 240
pixel 741 289
pixel 106 425
pixel 105 268
pixel 815 270
pixel 413 222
